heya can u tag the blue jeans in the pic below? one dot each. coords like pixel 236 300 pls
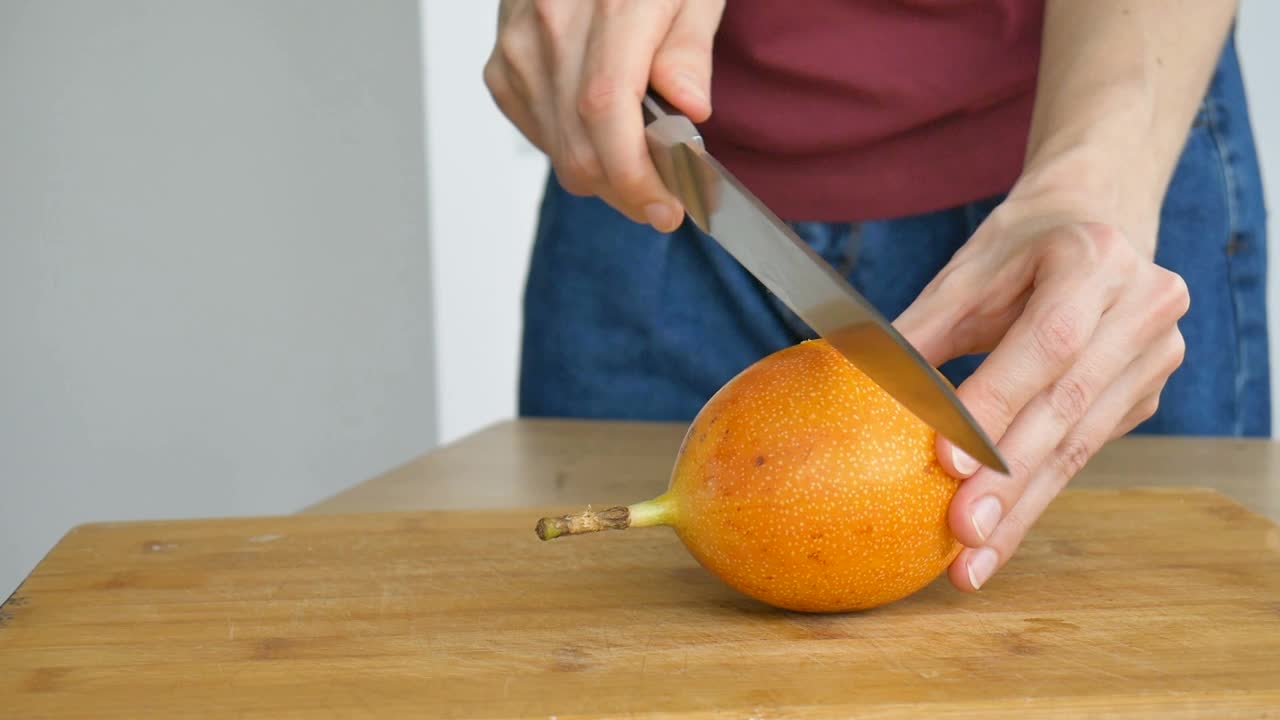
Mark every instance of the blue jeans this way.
pixel 623 322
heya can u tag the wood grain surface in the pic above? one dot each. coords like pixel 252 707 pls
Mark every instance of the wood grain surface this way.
pixel 543 462
pixel 1121 604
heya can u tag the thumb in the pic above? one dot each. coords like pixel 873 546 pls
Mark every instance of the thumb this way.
pixel 681 71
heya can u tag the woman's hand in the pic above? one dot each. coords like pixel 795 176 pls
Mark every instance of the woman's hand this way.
pixel 1082 332
pixel 571 74
pixel 1059 284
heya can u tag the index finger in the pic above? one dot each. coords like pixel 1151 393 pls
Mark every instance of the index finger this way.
pixel 620 51
pixel 1041 345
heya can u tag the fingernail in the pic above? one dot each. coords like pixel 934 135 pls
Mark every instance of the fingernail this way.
pixel 964 464
pixel 659 215
pixel 985 514
pixel 981 566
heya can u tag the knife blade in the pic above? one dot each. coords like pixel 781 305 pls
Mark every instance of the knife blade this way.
pixel 769 249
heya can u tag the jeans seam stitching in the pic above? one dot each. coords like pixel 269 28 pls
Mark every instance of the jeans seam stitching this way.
pixel 1230 185
pixel 1229 181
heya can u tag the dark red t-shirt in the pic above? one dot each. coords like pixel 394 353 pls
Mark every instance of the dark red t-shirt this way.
pixel 843 110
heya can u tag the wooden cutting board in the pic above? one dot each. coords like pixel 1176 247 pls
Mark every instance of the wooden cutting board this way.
pixel 1122 603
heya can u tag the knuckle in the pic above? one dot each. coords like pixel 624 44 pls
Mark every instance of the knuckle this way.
pixel 512 47
pixel 1177 352
pixel 1147 409
pixel 1095 245
pixel 1072 455
pixel 629 179
pixel 1108 243
pixel 1069 399
pixel 550 13
pixel 571 183
pixel 495 79
pixel 1014 527
pixel 996 400
pixel 1172 293
pixel 579 166
pixel 600 96
pixel 1019 469
pixel 1058 336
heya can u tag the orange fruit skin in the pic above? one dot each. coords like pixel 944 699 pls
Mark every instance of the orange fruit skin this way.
pixel 804 485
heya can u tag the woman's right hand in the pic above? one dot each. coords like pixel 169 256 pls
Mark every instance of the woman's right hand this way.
pixel 571 74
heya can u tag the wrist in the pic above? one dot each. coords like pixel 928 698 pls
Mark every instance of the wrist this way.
pixel 1089 182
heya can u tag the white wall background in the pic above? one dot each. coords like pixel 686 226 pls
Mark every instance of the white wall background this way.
pixel 1259 60
pixel 214 276
pixel 485 182
pixel 218 279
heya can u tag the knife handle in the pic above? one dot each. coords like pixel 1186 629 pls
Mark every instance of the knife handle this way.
pixel 672 139
pixel 655 108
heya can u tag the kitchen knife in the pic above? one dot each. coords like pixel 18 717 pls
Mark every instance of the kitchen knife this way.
pixel 767 247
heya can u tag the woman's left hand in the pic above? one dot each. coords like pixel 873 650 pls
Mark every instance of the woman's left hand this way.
pixel 1082 330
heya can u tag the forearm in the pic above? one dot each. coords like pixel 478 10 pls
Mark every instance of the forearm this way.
pixel 1119 85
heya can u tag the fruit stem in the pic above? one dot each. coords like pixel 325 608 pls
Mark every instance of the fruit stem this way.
pixel 643 514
